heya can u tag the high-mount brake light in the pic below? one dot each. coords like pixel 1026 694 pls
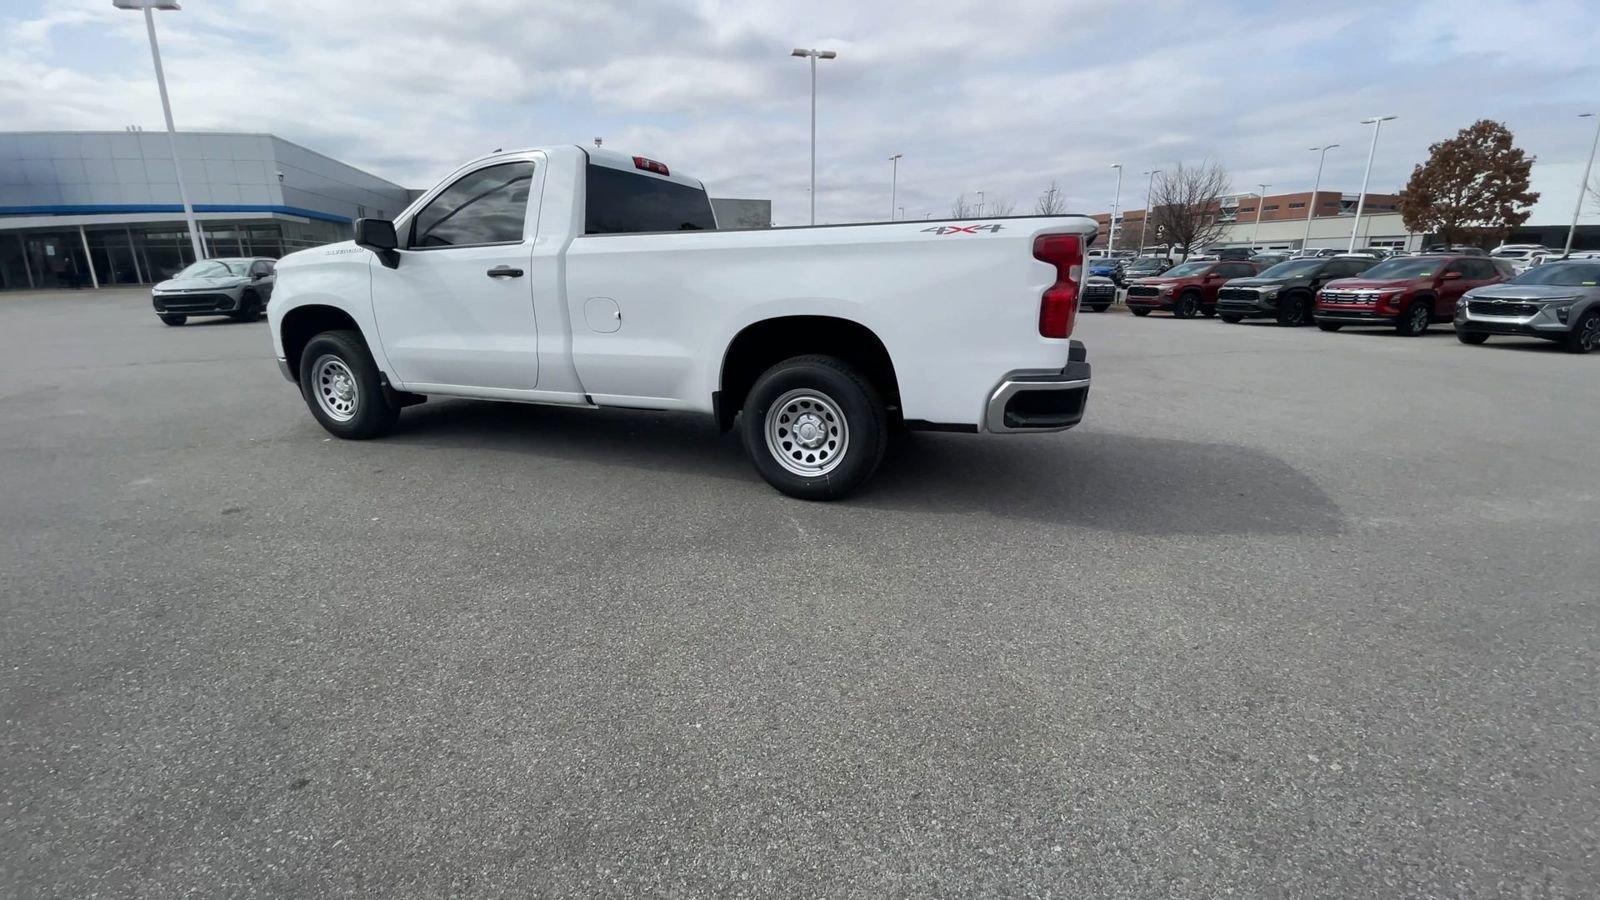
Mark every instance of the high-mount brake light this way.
pixel 650 165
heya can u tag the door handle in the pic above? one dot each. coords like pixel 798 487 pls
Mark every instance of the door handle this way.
pixel 504 272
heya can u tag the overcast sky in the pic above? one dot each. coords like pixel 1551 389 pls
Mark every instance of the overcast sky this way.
pixel 986 95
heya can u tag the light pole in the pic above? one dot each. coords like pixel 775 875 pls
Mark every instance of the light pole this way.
pixel 979 213
pixel 902 212
pixel 1116 204
pixel 1583 186
pixel 149 7
pixel 1149 188
pixel 1311 205
pixel 894 182
pixel 1361 202
pixel 814 55
pixel 1261 206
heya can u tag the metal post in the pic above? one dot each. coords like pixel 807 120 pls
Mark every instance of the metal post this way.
pixel 88 258
pixel 1116 206
pixel 1361 200
pixel 138 275
pixel 894 182
pixel 1583 186
pixel 1311 205
pixel 1144 224
pixel 1261 207
pixel 166 110
pixel 26 266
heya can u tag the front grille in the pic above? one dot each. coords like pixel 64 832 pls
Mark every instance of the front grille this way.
pixel 193 302
pixel 1501 308
pixel 1100 292
pixel 1238 293
pixel 1143 290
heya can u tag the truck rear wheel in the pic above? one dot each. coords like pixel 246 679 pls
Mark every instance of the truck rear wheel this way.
pixel 340 383
pixel 814 427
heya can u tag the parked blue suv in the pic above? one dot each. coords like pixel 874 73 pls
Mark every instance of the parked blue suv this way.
pixel 1108 267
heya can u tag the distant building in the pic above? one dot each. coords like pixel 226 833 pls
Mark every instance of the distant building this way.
pixel 734 214
pixel 102 207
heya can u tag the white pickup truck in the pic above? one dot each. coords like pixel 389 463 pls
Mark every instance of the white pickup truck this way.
pixel 585 277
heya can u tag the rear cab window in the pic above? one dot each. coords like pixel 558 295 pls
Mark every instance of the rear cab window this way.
pixel 622 202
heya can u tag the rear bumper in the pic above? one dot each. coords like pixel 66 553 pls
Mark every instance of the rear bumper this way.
pixel 1033 401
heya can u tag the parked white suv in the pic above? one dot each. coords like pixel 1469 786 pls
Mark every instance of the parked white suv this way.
pixel 582 277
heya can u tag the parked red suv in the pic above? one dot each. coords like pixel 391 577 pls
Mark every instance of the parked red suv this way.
pixel 1406 293
pixel 1188 288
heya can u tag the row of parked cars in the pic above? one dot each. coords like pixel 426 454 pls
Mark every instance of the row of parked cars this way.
pixel 1482 295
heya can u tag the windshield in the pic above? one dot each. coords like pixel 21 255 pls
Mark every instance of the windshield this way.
pixel 214 268
pixel 1145 264
pixel 1512 254
pixel 1189 268
pixel 1293 267
pixel 1104 262
pixel 1395 269
pixel 1564 274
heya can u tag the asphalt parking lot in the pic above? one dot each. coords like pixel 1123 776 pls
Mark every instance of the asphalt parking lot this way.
pixel 1291 614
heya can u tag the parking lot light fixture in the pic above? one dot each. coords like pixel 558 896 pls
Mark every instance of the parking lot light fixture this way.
pixel 813 55
pixel 1583 186
pixel 1316 184
pixel 1261 207
pixel 1361 201
pixel 149 7
pixel 894 182
pixel 1116 204
pixel 1149 188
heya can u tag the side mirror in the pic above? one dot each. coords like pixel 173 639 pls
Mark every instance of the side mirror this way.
pixel 1212 276
pixel 378 236
pixel 257 276
pixel 1450 276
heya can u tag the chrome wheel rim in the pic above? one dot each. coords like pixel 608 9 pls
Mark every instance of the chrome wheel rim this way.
pixel 1590 338
pixel 335 387
pixel 807 433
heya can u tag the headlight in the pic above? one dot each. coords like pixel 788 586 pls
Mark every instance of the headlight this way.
pixel 1166 289
pixel 1561 302
pixel 1269 293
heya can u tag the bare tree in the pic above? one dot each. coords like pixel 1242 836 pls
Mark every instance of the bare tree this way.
pixel 1185 205
pixel 1000 208
pixel 965 209
pixel 1050 202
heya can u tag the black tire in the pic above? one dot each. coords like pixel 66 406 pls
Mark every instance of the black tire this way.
pixel 1330 326
pixel 370 414
pixel 1140 311
pixel 249 308
pixel 1232 320
pixel 1470 337
pixel 1187 305
pixel 174 320
pixel 800 383
pixel 1585 335
pixel 1100 307
pixel 1208 311
pixel 1294 311
pixel 1414 321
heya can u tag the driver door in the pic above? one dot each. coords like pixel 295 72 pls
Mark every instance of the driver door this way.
pixel 457 311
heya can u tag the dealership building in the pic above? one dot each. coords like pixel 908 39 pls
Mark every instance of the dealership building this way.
pixel 92 208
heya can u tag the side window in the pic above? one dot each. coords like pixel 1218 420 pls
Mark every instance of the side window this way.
pixel 483 207
pixel 260 267
pixel 1481 270
pixel 1238 270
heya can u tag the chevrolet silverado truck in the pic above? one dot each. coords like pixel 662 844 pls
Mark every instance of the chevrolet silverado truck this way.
pixel 584 277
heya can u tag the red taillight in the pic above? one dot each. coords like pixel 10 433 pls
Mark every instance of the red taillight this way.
pixel 1058 308
pixel 650 165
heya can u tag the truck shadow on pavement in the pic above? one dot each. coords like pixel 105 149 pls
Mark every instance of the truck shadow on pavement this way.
pixel 1113 481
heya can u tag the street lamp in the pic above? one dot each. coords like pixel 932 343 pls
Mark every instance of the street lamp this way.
pixel 1116 204
pixel 814 55
pixel 902 212
pixel 149 7
pixel 1149 188
pixel 979 213
pixel 1311 206
pixel 1583 185
pixel 894 179
pixel 1377 125
pixel 1261 206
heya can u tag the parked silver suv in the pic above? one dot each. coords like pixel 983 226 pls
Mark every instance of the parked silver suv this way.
pixel 237 287
pixel 1558 301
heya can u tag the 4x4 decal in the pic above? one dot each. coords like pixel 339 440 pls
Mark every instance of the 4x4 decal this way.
pixel 963 229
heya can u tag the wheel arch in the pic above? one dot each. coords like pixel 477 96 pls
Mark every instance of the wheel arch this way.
pixel 761 344
pixel 303 323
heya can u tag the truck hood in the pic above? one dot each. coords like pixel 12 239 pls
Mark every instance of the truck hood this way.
pixel 1529 291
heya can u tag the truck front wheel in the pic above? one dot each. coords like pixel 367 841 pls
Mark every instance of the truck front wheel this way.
pixel 814 427
pixel 341 385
